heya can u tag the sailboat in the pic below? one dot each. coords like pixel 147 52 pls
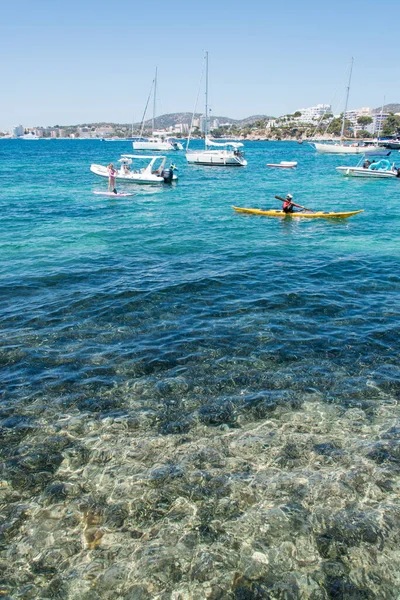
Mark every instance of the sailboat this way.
pixel 341 147
pixel 159 140
pixel 224 154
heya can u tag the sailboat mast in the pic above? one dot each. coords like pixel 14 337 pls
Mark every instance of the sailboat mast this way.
pixel 206 115
pixel 380 119
pixel 154 101
pixel 347 101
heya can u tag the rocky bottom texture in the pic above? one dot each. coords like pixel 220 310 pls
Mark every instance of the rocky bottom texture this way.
pixel 283 502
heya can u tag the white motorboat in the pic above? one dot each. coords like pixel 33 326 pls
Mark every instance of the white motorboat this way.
pixel 223 154
pixel 284 164
pixel 154 173
pixel 159 141
pixel 340 147
pixel 29 136
pixel 381 169
pixel 227 155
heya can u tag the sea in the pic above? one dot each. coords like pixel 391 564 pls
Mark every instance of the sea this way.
pixel 196 403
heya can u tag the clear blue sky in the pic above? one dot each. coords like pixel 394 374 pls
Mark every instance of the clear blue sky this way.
pixel 69 61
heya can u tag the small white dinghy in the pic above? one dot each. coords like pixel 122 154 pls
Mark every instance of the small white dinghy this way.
pixel 284 164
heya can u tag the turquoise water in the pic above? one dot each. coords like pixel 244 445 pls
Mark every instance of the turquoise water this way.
pixel 197 403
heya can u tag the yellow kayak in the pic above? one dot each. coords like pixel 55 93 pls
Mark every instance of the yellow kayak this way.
pixel 304 215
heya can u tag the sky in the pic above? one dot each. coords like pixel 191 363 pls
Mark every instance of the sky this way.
pixel 72 62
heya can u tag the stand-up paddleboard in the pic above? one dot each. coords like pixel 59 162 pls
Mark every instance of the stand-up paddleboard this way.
pixel 301 215
pixel 117 195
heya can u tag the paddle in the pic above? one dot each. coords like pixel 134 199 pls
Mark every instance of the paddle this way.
pixel 294 204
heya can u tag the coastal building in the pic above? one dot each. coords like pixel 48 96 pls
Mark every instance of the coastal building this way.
pixel 379 120
pixel 313 113
pixel 105 131
pixel 180 128
pixel 354 115
pixel 18 130
pixel 375 127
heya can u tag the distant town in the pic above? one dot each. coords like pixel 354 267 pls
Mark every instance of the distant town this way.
pixel 315 121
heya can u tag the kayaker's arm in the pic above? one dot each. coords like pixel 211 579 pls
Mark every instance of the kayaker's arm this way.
pixel 294 203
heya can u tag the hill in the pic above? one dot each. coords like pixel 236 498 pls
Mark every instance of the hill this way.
pixel 172 119
pixel 394 108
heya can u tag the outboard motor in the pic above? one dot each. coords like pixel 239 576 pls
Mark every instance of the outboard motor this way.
pixel 168 174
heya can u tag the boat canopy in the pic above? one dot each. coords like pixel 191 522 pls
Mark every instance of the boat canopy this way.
pixel 223 144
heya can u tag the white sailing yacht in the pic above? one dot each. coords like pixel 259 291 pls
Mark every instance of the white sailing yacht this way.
pixel 224 154
pixel 341 147
pixel 159 140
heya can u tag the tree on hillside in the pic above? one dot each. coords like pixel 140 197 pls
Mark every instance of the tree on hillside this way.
pixel 391 126
pixel 259 124
pixel 364 121
pixel 297 114
pixel 335 126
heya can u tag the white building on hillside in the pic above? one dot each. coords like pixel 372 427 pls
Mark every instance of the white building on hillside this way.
pixel 375 127
pixel 180 128
pixel 354 115
pixel 313 113
pixel 18 130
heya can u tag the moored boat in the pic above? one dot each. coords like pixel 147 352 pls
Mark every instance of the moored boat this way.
pixel 154 173
pixel 381 169
pixel 284 164
pixel 159 141
pixel 305 215
pixel 215 154
pixel 341 147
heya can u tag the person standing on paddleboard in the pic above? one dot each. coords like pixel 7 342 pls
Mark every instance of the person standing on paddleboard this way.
pixel 111 178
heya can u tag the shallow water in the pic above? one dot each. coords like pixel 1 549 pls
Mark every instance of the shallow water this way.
pixel 196 403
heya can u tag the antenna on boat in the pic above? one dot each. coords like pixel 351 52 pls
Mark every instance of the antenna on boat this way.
pixel 347 101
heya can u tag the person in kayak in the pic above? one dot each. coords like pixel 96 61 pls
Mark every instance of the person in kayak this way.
pixel 288 205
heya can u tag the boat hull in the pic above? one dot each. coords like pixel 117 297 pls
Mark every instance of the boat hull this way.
pixel 140 178
pixel 305 215
pixel 366 173
pixel 215 158
pixel 343 149
pixel 157 146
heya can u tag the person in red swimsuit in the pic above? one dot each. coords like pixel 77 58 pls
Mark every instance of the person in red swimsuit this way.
pixel 287 206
